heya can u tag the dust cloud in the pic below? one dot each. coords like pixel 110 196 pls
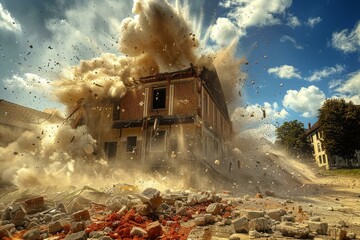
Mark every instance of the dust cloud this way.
pixel 157 39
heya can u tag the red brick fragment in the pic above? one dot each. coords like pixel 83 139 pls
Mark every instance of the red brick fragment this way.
pixel 79 216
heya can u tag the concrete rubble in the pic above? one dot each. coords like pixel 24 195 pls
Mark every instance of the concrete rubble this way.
pixel 151 214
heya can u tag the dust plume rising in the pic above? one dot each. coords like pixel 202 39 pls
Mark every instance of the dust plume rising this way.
pixel 161 32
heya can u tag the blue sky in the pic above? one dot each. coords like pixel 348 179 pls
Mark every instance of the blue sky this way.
pixel 299 52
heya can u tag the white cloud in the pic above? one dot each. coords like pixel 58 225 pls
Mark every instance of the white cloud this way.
pixel 306 101
pixel 28 82
pixel 285 38
pixel 257 121
pixel 247 13
pixel 224 31
pixel 7 22
pixel 285 71
pixel 350 89
pixel 312 21
pixel 325 72
pixel 334 83
pixel 347 40
pixel 293 21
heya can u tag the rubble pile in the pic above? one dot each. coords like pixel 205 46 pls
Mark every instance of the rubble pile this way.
pixel 151 214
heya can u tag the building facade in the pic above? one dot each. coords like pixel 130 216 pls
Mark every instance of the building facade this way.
pixel 170 118
pixel 321 157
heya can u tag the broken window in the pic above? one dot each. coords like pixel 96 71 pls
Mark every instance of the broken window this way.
pixel 159 98
pixel 110 149
pixel 131 143
pixel 158 141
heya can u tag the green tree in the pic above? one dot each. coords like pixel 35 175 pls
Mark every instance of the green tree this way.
pixel 340 123
pixel 291 136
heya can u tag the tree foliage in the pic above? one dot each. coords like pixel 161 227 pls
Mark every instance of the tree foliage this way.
pixel 291 136
pixel 340 123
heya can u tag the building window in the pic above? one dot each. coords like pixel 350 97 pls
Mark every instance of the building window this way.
pixel 320 160
pixel 159 98
pixel 205 106
pixel 319 147
pixel 110 149
pixel 131 144
pixel 324 158
pixel 158 141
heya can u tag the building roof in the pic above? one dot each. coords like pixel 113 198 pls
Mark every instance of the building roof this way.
pixel 314 127
pixel 20 116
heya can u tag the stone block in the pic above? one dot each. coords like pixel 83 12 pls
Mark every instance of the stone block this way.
pixel 214 208
pixel 76 236
pixel 288 218
pixel 152 197
pixel 249 214
pixel 259 224
pixel 318 227
pixel 241 225
pixel 276 214
pixel 55 227
pixel 293 230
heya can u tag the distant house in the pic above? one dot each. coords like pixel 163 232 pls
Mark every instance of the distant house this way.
pixel 174 117
pixel 321 157
pixel 15 119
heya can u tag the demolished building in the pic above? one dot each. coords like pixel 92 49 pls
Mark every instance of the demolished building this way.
pixel 176 117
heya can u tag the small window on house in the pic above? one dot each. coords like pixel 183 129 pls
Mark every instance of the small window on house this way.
pixel 159 98
pixel 131 143
pixel 324 158
pixel 157 143
pixel 320 160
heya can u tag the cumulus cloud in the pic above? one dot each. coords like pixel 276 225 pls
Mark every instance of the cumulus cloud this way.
pixel 347 41
pixel 293 21
pixel 312 21
pixel 7 22
pixel 257 121
pixel 224 31
pixel 306 101
pixel 350 89
pixel 285 38
pixel 247 13
pixel 285 71
pixel 29 82
pixel 325 72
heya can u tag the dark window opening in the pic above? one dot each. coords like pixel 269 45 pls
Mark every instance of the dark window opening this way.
pixel 131 144
pixel 110 149
pixel 159 98
pixel 158 141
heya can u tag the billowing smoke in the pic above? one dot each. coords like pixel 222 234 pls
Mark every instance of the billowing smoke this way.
pixel 157 39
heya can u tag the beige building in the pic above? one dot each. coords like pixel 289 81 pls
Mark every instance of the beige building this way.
pixel 170 118
pixel 321 157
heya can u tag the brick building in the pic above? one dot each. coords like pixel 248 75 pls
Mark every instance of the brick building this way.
pixel 175 117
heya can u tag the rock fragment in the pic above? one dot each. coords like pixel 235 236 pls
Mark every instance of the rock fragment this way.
pixel 241 225
pixel 154 230
pixel 151 196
